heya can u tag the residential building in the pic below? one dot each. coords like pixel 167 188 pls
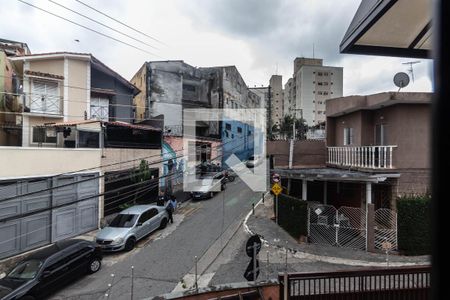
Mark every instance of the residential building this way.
pixel 9 87
pixel 288 104
pixel 312 84
pixel 369 141
pixel 377 149
pixel 77 152
pixel 263 94
pixel 275 112
pixel 237 136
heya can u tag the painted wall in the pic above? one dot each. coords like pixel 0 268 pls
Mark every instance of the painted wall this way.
pixel 79 99
pixel 139 80
pixel 18 162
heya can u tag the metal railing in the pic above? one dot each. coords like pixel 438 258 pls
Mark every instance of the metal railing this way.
pixel 373 157
pixel 391 283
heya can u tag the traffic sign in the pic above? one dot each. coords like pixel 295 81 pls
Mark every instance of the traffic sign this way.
pixel 276 189
pixel 250 270
pixel 253 241
pixel 276 177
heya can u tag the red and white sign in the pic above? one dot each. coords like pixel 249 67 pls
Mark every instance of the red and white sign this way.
pixel 276 177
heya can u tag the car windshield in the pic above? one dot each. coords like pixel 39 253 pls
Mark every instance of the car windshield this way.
pixel 123 220
pixel 25 270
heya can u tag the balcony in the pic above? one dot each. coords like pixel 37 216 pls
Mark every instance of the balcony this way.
pixel 44 104
pixel 362 157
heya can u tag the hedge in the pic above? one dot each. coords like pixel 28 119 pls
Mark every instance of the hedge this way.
pixel 414 224
pixel 293 215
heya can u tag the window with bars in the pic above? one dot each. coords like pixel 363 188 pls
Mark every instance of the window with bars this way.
pixel 45 97
pixel 100 109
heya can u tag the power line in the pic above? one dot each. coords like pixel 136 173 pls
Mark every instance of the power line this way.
pixel 104 25
pixel 104 175
pixel 90 29
pixel 122 23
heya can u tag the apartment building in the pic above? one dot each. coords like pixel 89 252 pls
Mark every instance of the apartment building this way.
pixel 312 84
pixel 276 101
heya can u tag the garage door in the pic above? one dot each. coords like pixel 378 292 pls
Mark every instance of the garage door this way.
pixel 49 215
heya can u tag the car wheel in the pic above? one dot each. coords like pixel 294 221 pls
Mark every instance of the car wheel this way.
pixel 163 224
pixel 94 265
pixel 130 243
pixel 230 178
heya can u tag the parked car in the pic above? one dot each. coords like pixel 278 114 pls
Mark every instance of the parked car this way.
pixel 209 186
pixel 253 161
pixel 131 225
pixel 44 271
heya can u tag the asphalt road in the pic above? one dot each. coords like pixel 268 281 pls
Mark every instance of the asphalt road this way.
pixel 162 260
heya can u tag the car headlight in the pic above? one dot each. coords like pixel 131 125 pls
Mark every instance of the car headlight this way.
pixel 118 240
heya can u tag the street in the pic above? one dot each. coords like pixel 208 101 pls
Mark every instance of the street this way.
pixel 161 261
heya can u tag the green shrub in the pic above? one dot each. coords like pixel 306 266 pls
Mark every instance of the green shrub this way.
pixel 293 215
pixel 414 224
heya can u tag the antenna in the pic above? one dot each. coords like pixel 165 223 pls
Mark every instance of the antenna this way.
pixel 411 70
pixel 276 68
pixel 313 51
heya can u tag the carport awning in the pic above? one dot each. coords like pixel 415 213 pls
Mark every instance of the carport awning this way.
pixel 334 174
pixel 390 27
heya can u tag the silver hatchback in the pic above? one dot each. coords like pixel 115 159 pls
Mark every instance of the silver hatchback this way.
pixel 131 225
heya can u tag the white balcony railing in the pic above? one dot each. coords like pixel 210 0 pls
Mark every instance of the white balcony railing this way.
pixel 372 157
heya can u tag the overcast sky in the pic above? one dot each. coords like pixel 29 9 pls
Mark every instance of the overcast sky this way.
pixel 260 37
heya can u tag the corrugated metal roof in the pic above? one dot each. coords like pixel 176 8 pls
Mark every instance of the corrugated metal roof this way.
pixel 133 126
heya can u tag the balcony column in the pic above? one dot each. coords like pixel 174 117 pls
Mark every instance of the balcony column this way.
pixel 370 219
pixel 304 189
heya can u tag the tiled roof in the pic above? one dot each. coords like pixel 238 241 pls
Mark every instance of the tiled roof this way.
pixel 42 74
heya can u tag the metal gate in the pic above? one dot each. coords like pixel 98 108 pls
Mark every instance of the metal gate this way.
pixel 41 218
pixel 343 227
pixel 385 228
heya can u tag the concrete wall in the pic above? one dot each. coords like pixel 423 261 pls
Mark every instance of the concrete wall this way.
pixel 18 162
pixel 269 292
pixel 122 156
pixel 307 153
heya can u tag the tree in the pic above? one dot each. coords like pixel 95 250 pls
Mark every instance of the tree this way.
pixel 286 127
pixel 140 175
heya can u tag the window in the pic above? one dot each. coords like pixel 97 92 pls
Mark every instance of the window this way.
pixel 380 134
pixel 348 136
pixel 88 139
pixel 45 97
pixel 43 135
pixel 227 126
pixel 239 129
pixel 188 87
pixel 100 109
pixel 319 73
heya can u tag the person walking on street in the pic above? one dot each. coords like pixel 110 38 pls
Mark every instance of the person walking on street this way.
pixel 170 207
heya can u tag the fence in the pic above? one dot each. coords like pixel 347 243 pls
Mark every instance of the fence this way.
pixel 392 283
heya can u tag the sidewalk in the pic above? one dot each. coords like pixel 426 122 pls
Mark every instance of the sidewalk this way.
pixel 272 234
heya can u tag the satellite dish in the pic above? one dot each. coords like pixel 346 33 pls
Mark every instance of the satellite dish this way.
pixel 401 80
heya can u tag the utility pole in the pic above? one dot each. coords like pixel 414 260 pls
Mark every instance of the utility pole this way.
pixel 269 108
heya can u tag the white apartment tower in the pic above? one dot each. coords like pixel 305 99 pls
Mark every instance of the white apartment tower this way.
pixel 312 84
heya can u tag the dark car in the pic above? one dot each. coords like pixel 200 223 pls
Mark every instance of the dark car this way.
pixel 42 272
